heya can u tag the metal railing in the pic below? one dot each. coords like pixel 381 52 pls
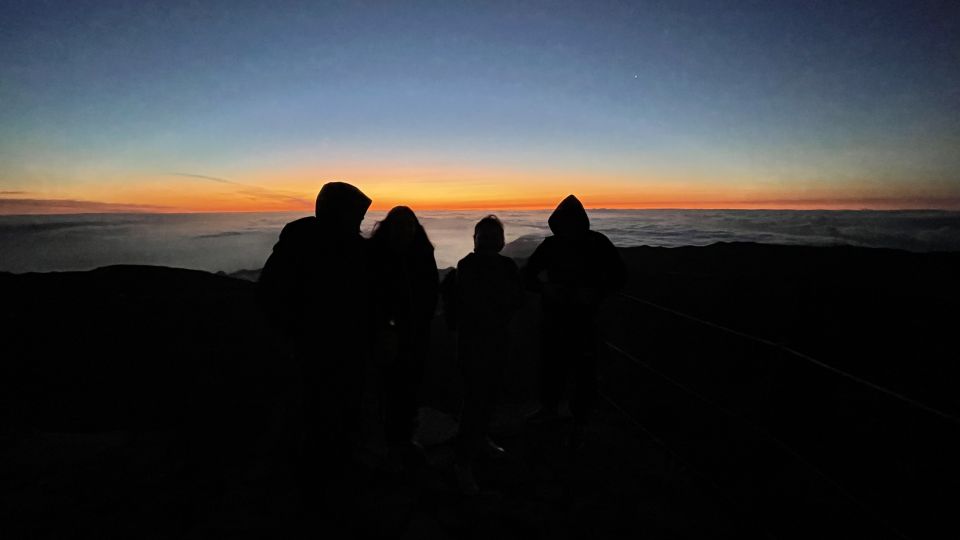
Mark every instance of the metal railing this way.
pixel 879 519
pixel 799 355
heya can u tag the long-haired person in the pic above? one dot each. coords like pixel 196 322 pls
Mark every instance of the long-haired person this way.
pixel 406 284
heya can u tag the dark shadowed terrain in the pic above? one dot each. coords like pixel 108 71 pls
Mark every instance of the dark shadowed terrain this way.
pixel 149 399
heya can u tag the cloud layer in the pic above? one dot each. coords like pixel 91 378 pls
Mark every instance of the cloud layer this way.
pixel 232 242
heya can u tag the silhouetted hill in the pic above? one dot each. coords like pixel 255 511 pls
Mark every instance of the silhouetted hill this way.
pixel 131 346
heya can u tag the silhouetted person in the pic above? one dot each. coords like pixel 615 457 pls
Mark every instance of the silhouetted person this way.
pixel 486 291
pixel 575 269
pixel 406 283
pixel 315 287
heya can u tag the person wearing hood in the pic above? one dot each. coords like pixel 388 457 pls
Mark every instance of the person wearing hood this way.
pixel 315 273
pixel 574 270
pixel 314 289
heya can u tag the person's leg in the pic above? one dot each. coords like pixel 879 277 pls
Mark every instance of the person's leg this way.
pixel 496 361
pixel 554 362
pixel 322 453
pixel 471 431
pixel 402 379
pixel 400 383
pixel 333 384
pixel 315 418
pixel 586 347
pixel 351 397
pixel 473 413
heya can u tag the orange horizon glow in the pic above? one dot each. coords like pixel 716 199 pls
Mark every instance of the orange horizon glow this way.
pixel 457 189
pixel 80 206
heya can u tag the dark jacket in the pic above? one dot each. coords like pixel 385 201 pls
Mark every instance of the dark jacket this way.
pixel 315 281
pixel 576 266
pixel 406 285
pixel 486 291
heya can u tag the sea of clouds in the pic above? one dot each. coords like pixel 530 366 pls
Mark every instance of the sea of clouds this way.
pixel 231 242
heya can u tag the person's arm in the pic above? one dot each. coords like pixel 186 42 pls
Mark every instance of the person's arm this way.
pixel 615 271
pixel 515 289
pixel 433 284
pixel 276 281
pixel 449 299
pixel 537 263
pixel 425 286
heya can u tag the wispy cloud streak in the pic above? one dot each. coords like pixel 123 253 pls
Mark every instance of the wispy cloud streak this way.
pixel 72 206
pixel 249 190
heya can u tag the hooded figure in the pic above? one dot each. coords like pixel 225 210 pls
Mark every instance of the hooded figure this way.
pixel 316 273
pixel 575 269
pixel 314 287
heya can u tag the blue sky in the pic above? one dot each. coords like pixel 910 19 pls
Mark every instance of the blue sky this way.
pixel 766 100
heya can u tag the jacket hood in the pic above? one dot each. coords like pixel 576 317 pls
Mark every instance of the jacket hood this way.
pixel 569 217
pixel 342 202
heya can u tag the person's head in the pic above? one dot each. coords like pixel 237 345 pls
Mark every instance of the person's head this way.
pixel 569 218
pixel 488 235
pixel 342 206
pixel 400 231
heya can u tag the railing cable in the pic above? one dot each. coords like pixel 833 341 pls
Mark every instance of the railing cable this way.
pixel 690 467
pixel 868 510
pixel 836 371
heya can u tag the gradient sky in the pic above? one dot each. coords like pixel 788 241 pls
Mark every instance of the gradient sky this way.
pixel 154 106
